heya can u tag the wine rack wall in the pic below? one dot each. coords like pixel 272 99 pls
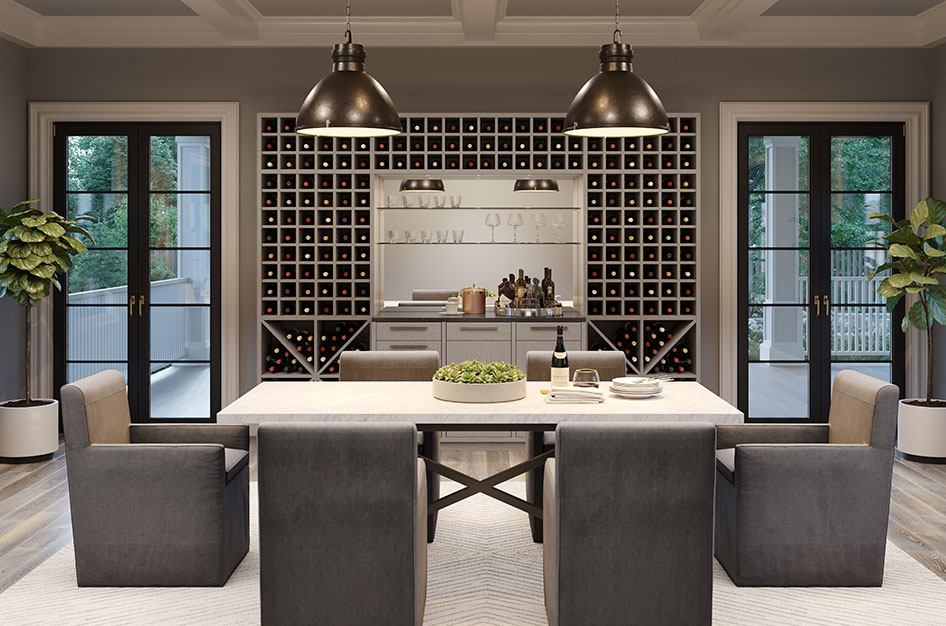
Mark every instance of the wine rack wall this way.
pixel 640 205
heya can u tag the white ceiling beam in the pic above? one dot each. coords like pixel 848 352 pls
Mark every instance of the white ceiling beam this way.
pixel 932 25
pixel 236 19
pixel 722 19
pixel 19 24
pixel 479 17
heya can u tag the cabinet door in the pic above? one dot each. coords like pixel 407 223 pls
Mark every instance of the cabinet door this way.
pixel 458 351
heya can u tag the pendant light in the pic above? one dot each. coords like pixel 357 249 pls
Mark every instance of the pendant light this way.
pixel 536 185
pixel 616 102
pixel 422 185
pixel 348 102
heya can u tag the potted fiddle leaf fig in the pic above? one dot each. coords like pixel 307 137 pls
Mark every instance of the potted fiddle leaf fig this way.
pixel 34 248
pixel 917 250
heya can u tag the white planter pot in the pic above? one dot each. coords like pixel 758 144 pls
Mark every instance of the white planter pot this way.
pixel 921 430
pixel 495 392
pixel 30 430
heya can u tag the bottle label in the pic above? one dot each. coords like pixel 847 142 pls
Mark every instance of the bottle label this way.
pixel 559 355
pixel 559 377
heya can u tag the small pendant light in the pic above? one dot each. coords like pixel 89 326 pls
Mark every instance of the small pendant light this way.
pixel 348 102
pixel 422 185
pixel 536 185
pixel 616 102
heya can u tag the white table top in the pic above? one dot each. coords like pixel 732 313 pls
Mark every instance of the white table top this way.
pixel 682 401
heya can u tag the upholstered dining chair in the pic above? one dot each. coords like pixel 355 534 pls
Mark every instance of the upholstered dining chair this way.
pixel 392 365
pixel 342 531
pixel 433 295
pixel 628 516
pixel 609 363
pixel 807 504
pixel 152 505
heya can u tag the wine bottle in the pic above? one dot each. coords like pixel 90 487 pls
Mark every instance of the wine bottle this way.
pixel 560 361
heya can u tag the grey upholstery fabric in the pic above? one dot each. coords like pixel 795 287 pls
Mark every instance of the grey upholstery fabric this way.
pixel 227 435
pixel 809 514
pixel 433 295
pixel 410 365
pixel 630 519
pixel 341 537
pixel 550 544
pixel 151 514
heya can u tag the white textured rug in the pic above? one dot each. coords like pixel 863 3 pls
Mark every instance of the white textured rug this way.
pixel 484 570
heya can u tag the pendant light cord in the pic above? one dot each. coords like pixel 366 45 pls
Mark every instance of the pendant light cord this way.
pixel 348 22
pixel 617 22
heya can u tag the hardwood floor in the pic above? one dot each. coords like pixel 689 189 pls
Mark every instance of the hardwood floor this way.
pixel 35 522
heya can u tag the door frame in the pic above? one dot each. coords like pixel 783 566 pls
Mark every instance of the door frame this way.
pixel 916 119
pixel 42 117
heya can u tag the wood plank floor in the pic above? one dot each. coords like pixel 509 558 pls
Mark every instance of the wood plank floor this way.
pixel 35 522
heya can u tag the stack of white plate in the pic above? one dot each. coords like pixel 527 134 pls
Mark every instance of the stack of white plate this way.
pixel 636 387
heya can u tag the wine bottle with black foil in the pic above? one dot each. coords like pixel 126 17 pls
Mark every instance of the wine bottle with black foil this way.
pixel 560 361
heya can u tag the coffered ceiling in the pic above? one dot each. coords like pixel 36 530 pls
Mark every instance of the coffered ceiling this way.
pixel 474 23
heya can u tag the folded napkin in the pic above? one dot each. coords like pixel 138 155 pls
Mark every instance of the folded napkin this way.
pixel 574 395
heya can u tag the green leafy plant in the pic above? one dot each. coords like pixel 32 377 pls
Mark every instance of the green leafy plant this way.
pixel 477 372
pixel 917 258
pixel 34 248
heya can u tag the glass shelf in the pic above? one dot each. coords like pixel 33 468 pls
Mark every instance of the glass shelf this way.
pixel 481 243
pixel 479 208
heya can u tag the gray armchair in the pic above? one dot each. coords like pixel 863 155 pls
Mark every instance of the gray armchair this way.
pixel 807 505
pixel 152 505
pixel 342 532
pixel 610 365
pixel 628 516
pixel 410 365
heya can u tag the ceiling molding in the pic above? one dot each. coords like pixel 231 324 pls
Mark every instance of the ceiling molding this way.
pixel 932 24
pixel 237 19
pixel 479 17
pixel 19 24
pixel 721 19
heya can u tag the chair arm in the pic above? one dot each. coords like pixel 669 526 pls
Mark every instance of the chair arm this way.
pixel 227 435
pixel 731 435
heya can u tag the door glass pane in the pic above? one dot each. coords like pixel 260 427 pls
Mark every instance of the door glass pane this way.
pixel 180 333
pixel 778 163
pixel 180 390
pixel 101 276
pixel 180 163
pixel 778 333
pixel 860 333
pixel 880 371
pixel 778 389
pixel 76 371
pixel 850 227
pixel 96 163
pixel 778 276
pixel 861 163
pixel 849 276
pixel 180 220
pixel 97 333
pixel 110 210
pixel 180 276
pixel 778 220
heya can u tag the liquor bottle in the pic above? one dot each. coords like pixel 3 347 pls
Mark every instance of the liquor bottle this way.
pixel 521 289
pixel 559 376
pixel 548 286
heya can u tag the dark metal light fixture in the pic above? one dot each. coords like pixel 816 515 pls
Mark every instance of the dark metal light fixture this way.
pixel 536 184
pixel 616 102
pixel 348 102
pixel 422 185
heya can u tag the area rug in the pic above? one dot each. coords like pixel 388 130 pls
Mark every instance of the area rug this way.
pixel 484 570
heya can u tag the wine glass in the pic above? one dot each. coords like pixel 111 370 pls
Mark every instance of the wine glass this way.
pixel 538 221
pixel 515 220
pixel 492 220
pixel 559 222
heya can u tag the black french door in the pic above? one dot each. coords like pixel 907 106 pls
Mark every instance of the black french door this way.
pixel 807 307
pixel 144 299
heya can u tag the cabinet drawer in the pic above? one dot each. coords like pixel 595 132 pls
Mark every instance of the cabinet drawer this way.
pixel 459 351
pixel 394 331
pixel 410 345
pixel 546 330
pixel 479 331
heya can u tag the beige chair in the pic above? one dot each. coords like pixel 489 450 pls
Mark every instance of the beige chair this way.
pixel 609 363
pixel 406 365
pixel 432 295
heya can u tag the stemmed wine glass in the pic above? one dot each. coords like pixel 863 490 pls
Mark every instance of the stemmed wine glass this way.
pixel 538 221
pixel 559 222
pixel 515 220
pixel 493 220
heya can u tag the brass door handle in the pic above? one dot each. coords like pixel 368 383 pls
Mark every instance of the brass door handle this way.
pixel 817 305
pixel 141 301
pixel 131 306
pixel 824 301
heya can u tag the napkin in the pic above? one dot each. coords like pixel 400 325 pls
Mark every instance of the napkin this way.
pixel 574 395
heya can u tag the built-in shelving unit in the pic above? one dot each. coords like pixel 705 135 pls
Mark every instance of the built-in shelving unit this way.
pixel 640 200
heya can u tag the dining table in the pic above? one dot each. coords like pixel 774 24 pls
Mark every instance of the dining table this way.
pixel 401 401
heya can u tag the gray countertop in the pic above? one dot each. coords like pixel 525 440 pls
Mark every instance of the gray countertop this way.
pixel 435 314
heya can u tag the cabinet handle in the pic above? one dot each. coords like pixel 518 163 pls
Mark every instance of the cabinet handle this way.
pixel 409 346
pixel 424 327
pixel 131 306
pixel 478 327
pixel 552 328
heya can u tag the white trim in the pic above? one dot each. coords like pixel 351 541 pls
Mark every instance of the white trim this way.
pixel 916 118
pixel 42 117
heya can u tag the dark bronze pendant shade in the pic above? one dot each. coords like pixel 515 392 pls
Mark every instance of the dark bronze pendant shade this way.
pixel 348 102
pixel 422 185
pixel 535 184
pixel 616 102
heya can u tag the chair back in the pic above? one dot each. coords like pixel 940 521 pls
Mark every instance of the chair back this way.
pixel 863 410
pixel 609 363
pixel 95 410
pixel 433 295
pixel 388 365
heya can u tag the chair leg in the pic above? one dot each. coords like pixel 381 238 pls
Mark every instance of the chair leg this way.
pixel 431 449
pixel 535 480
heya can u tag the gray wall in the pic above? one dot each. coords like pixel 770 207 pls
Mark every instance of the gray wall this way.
pixel 487 80
pixel 12 190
